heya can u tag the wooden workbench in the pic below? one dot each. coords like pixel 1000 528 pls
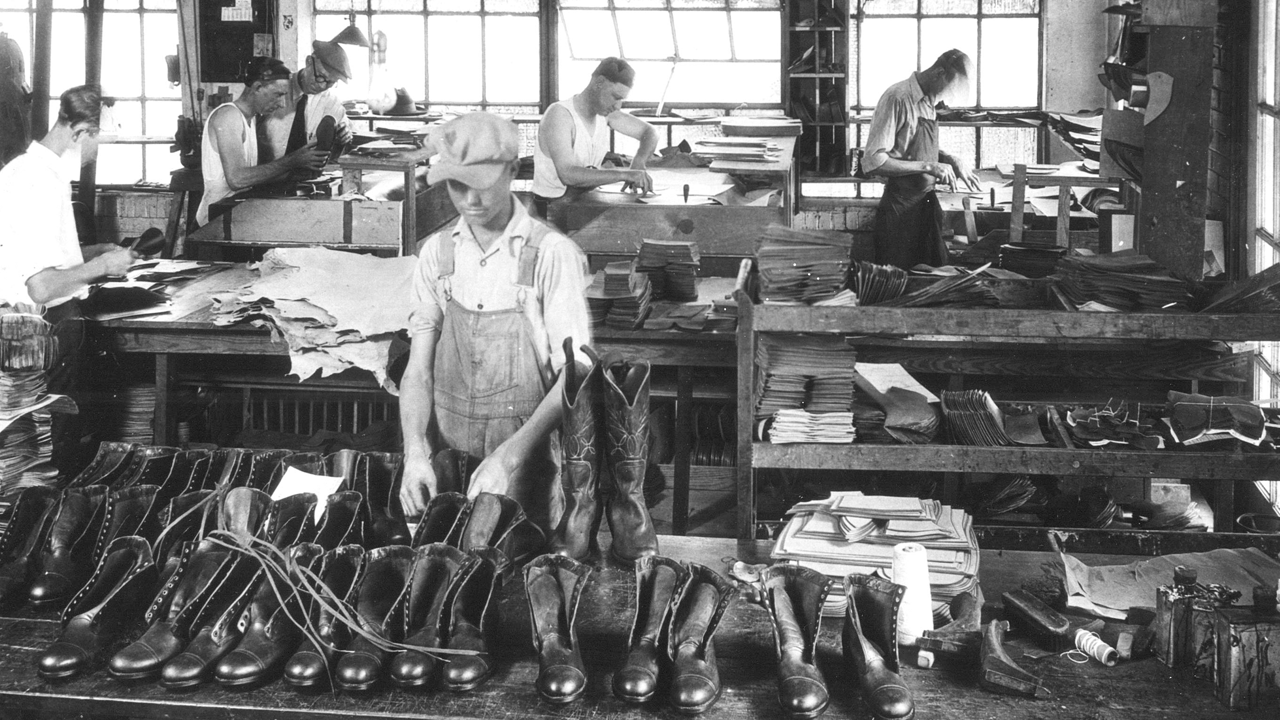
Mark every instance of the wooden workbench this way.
pixel 744 644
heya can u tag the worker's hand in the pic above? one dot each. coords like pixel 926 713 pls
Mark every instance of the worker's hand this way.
pixel 342 135
pixel 965 174
pixel 638 180
pixel 417 485
pixel 943 174
pixel 494 473
pixel 115 261
pixel 306 158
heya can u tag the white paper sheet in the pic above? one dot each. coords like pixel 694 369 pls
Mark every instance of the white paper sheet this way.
pixel 296 482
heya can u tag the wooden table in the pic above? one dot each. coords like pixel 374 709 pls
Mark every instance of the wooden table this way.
pixel 744 645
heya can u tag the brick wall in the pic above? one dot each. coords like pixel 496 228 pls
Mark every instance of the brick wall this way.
pixel 121 213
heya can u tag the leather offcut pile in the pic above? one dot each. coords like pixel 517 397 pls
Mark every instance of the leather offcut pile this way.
pixel 801 266
pixel 28 349
pixel 964 289
pixel 619 296
pixel 875 284
pixel 1124 282
pixel 974 418
pixel 336 310
pixel 671 266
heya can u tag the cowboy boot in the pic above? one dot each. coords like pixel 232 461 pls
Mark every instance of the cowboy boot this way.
pixel 342 523
pixel 386 574
pixel 498 521
pixel 695 678
pixel 104 613
pixel 554 584
pixel 474 619
pixel 271 636
pixel 794 596
pixel 453 470
pixel 111 461
pixel 580 437
pixel 440 519
pixel 339 571
pixel 435 569
pixel 29 520
pixel 149 465
pixel 658 581
pixel 871 645
pixel 626 402
pixel 66 560
pixel 190 582
pixel 377 476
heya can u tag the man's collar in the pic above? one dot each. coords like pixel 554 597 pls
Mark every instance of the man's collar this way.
pixel 516 231
pixel 917 92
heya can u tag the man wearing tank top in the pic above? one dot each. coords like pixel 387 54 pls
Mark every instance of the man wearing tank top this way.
pixel 574 136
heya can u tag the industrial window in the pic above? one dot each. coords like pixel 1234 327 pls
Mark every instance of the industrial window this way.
pixel 453 54
pixel 136 37
pixel 893 38
pixel 1264 250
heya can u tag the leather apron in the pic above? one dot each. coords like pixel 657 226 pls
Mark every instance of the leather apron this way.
pixel 488 381
pixel 908 227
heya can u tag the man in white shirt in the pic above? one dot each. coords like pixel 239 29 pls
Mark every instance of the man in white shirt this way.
pixel 41 261
pixel 311 98
pixel 495 298
pixel 574 136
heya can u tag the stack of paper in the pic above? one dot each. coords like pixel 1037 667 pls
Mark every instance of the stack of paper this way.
pixel 973 418
pixel 810 373
pixel 27 348
pixel 801 266
pixel 799 426
pixel 854 533
pixel 671 266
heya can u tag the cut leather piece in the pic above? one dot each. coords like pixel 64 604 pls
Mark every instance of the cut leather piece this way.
pixel 340 570
pixel 554 585
pixel 427 596
pixel 695 676
pixel 581 437
pixel 870 644
pixel 30 518
pixel 105 613
pixel 1000 674
pixel 794 596
pixel 659 581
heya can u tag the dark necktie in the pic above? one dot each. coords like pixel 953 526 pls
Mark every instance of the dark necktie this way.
pixel 298 133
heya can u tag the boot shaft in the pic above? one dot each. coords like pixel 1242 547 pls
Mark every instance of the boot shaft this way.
pixel 697 610
pixel 30 517
pixel 387 571
pixel 554 584
pixel 148 465
pixel 129 511
pixel 659 580
pixel 377 477
pixel 872 616
pixel 475 603
pixel 794 596
pixel 78 521
pixel 343 522
pixel 626 404
pixel 432 584
pixel 118 583
pixel 453 470
pixel 440 520
pixel 110 462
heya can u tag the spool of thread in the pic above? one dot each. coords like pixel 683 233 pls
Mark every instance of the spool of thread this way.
pixel 1090 644
pixel 911 570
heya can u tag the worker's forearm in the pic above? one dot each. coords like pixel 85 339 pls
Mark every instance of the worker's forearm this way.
pixel 893 167
pixel 416 406
pixel 52 283
pixel 584 177
pixel 648 144
pixel 545 419
pixel 248 177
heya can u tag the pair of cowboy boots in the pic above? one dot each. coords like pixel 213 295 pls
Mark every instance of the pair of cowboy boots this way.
pixel 487 520
pixel 678 608
pixel 605 420
pixel 870 640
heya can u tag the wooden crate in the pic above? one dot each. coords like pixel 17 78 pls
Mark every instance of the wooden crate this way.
pixel 1248 658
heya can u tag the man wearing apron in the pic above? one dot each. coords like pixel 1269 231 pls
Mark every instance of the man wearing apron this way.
pixel 574 136
pixel 902 147
pixel 495 297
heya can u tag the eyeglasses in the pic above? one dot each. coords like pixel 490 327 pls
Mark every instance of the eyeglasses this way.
pixel 321 77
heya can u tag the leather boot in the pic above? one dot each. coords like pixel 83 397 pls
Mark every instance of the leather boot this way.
pixel 339 570
pixel 554 584
pixel 498 521
pixel 168 618
pixel 794 596
pixel 149 465
pixel 580 438
pixel 253 468
pixel 66 560
pixel 130 511
pixel 271 636
pixel 290 520
pixel 439 522
pixel 474 619
pixel 105 613
pixel 188 517
pixel 435 570
pixel 871 645
pixel 453 470
pixel 341 523
pixel 341 464
pixel 626 403
pixel 111 461
pixel 658 581
pixel 377 477
pixel 190 468
pixel 695 677
pixel 30 518
pixel 386 574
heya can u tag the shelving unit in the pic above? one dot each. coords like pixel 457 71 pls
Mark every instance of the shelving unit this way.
pixel 943 326
pixel 815 43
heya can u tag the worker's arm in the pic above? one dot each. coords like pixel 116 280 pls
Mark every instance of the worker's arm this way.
pixel 240 175
pixel 877 159
pixel 52 283
pixel 963 172
pixel 555 134
pixel 416 405
pixel 634 127
pixel 496 471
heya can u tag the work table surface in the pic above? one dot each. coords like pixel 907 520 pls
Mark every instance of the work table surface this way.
pixel 744 644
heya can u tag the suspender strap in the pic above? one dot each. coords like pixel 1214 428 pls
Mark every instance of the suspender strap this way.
pixel 529 254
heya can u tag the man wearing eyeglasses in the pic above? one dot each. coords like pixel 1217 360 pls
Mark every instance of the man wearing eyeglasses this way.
pixel 311 97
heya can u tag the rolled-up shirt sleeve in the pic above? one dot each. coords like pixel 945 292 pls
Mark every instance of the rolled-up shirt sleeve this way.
pixel 883 134
pixel 428 306
pixel 562 274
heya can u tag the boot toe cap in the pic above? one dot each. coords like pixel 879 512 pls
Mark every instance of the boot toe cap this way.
pixel 240 668
pixel 49 588
pixel 466 672
pixel 412 669
pixel 802 697
pixel 62 660
pixel 305 668
pixel 561 683
pixel 892 702
pixel 358 671
pixel 635 684
pixel 136 660
pixel 184 670
pixel 693 693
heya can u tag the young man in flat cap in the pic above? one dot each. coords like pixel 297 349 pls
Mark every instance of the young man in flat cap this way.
pixel 495 298
pixel 574 136
pixel 311 97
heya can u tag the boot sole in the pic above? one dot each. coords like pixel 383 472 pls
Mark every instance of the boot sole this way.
pixel 134 676
pixel 361 688
pixel 59 675
pixel 698 710
pixel 815 713
pixel 306 684
pixel 562 699
pixel 469 686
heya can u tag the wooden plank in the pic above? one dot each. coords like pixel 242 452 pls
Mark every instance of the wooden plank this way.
pixel 683 432
pixel 1130 542
pixel 981 322
pixel 1051 361
pixel 1019 201
pixel 1036 461
pixel 746 421
pixel 605 223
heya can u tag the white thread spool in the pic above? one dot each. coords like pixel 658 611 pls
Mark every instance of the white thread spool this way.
pixel 1092 645
pixel 911 570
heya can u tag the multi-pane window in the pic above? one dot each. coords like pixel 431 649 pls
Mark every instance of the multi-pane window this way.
pixel 451 54
pixel 1265 250
pixel 893 38
pixel 136 37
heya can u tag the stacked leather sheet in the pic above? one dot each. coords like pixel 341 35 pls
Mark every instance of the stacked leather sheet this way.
pixel 974 418
pixel 815 374
pixel 671 266
pixel 875 284
pixel 27 348
pixel 1258 294
pixel 854 533
pixel 1124 282
pixel 965 289
pixel 801 266
pixel 1114 424
pixel 619 296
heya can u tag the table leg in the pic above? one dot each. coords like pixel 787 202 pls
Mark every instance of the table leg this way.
pixel 683 430
pixel 163 427
pixel 409 243
pixel 1224 505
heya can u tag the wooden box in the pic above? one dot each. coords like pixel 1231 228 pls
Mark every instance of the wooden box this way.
pixel 1248 658
pixel 1184 632
pixel 277 222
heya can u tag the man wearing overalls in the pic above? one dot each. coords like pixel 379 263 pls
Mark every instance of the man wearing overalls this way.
pixel 902 147
pixel 495 297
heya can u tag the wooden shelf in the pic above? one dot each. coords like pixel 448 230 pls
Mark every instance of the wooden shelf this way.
pixel 811 75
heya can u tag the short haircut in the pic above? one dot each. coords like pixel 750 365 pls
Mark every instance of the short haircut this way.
pixel 81 104
pixel 955 63
pixel 264 69
pixel 616 70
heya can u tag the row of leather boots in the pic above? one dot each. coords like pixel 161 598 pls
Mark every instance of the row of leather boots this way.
pixel 605 437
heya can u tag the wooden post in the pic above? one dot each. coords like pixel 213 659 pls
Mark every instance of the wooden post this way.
pixel 41 61
pixel 92 76
pixel 746 412
pixel 1019 197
